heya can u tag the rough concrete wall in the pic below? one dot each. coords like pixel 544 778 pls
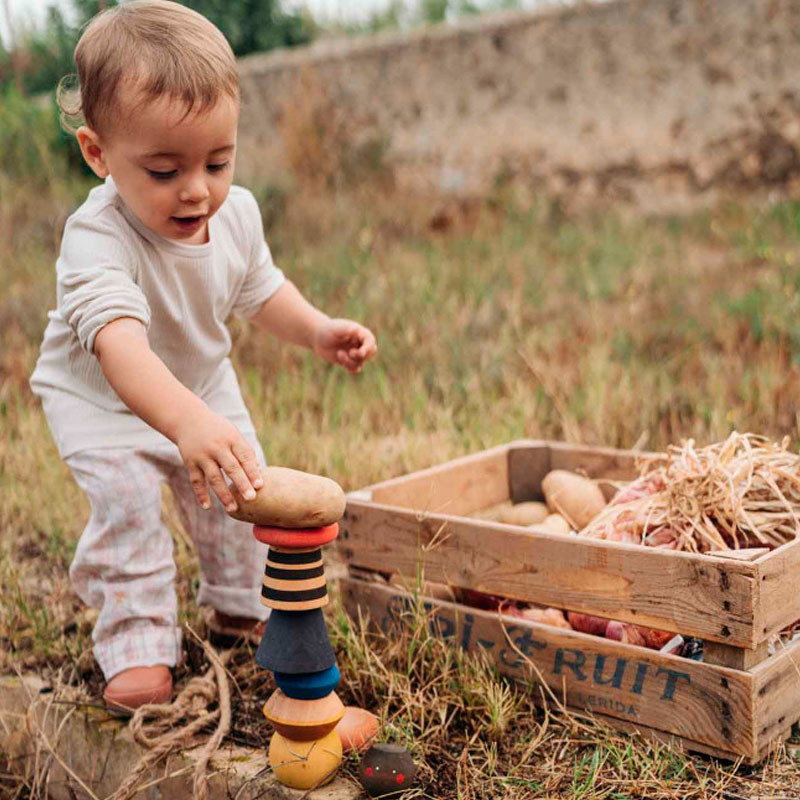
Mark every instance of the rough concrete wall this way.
pixel 639 98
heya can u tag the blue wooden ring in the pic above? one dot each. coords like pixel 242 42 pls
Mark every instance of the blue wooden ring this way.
pixel 308 685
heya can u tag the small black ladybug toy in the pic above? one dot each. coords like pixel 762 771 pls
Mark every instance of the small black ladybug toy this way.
pixel 387 770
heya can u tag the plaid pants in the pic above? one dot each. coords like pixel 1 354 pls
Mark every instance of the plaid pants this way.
pixel 123 564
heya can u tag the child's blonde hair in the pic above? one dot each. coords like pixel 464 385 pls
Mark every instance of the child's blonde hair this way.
pixel 161 48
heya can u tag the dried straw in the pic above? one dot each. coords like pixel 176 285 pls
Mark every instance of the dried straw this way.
pixel 743 492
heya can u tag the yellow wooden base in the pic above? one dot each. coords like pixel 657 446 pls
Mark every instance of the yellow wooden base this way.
pixel 305 765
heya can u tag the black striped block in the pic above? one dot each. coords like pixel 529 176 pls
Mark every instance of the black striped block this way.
pixel 294 580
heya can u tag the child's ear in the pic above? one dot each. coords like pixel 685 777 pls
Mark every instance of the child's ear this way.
pixel 92 151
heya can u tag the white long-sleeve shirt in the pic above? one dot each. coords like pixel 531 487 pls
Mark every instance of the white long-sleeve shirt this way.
pixel 112 266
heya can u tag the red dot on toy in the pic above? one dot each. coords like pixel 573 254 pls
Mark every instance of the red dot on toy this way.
pixel 368 771
pixel 401 778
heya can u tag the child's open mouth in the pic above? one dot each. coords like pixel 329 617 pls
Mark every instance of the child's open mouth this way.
pixel 189 223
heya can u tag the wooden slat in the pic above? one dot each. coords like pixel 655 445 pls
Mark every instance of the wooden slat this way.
pixel 455 487
pixel 691 594
pixel 689 744
pixel 528 463
pixel 747 554
pixel 734 657
pixel 597 462
pixel 703 703
pixel 777 693
pixel 778 603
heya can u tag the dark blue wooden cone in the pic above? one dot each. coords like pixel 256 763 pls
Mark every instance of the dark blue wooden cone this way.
pixel 296 641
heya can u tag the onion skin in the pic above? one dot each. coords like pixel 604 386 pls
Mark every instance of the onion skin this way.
pixel 586 623
pixel 619 631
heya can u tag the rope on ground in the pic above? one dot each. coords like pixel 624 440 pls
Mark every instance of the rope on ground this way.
pixel 164 729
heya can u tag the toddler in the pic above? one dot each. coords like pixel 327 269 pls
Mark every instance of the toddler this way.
pixel 134 374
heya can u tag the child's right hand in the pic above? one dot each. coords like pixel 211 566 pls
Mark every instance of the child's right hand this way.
pixel 209 445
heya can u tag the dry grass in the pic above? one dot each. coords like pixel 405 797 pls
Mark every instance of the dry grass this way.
pixel 477 736
pixel 512 322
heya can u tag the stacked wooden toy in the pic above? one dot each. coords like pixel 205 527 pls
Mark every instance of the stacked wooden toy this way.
pixel 296 514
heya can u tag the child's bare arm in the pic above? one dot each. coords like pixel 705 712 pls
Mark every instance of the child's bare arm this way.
pixel 289 316
pixel 208 443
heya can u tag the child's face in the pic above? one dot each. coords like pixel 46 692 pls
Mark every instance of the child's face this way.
pixel 173 173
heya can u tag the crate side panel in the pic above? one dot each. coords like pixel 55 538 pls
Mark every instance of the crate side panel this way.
pixel 528 463
pixel 707 704
pixel 598 462
pixel 777 694
pixel 461 486
pixel 696 595
pixel 672 739
pixel 779 604
pixel 735 657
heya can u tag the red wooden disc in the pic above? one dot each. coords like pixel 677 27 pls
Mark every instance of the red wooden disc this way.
pixel 298 538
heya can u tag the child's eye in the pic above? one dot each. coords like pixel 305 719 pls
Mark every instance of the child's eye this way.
pixel 162 176
pixel 217 167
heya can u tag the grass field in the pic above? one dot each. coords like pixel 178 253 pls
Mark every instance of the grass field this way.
pixel 513 322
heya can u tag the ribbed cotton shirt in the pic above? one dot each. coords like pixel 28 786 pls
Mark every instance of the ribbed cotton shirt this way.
pixel 111 265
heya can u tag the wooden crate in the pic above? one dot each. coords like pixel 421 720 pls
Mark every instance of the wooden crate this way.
pixel 736 703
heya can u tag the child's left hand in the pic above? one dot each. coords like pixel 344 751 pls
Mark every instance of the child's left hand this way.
pixel 344 342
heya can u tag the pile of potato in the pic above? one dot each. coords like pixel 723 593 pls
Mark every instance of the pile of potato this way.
pixel 571 502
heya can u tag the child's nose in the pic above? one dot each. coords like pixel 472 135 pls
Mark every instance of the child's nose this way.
pixel 194 190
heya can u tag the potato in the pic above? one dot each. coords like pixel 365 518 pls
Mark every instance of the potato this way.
pixel 576 498
pixel 547 616
pixel 554 523
pixel 526 513
pixel 291 499
pixel 437 591
pixel 493 512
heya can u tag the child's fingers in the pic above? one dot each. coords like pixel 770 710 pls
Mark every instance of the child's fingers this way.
pixel 218 484
pixel 249 461
pixel 347 362
pixel 366 346
pixel 198 481
pixel 238 476
pixel 358 355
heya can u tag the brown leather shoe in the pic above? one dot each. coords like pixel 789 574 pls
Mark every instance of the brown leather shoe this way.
pixel 137 686
pixel 225 630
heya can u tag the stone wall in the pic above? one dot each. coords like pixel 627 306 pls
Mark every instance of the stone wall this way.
pixel 641 99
